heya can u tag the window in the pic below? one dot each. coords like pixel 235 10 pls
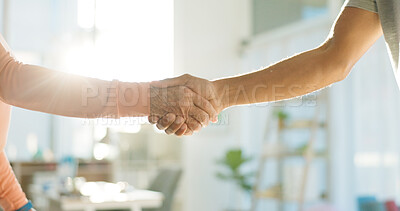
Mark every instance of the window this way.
pixel 271 14
pixel 130 40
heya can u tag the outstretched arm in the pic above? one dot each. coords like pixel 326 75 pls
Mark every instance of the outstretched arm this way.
pixel 40 89
pixel 351 36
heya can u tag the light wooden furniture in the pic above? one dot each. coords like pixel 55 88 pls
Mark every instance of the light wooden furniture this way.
pixel 91 170
pixel 307 154
pixel 135 201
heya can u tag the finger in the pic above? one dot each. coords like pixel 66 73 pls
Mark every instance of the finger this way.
pixel 179 121
pixel 166 121
pixel 206 106
pixel 181 130
pixel 199 115
pixel 188 132
pixel 217 104
pixel 153 119
pixel 193 124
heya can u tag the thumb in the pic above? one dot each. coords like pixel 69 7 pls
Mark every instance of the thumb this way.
pixel 177 81
pixel 153 119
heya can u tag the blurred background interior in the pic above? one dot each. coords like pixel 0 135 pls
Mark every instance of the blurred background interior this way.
pixel 331 150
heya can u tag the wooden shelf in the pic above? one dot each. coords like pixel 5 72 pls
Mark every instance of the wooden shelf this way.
pixel 275 193
pixel 293 154
pixel 302 124
pixel 275 149
pixel 282 199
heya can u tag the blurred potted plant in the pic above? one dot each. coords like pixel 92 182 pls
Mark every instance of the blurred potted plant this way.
pixel 282 117
pixel 233 161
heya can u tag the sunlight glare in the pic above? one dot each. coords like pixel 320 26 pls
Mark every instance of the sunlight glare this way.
pixel 133 42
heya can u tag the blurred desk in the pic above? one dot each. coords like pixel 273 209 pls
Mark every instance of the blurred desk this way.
pixel 91 170
pixel 134 201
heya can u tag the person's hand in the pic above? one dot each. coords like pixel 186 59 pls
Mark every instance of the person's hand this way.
pixel 183 111
pixel 205 88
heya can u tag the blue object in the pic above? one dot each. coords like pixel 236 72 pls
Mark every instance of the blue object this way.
pixel 363 200
pixel 373 206
pixel 26 207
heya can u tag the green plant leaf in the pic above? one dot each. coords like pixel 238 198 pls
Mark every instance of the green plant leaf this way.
pixel 233 160
pixel 222 176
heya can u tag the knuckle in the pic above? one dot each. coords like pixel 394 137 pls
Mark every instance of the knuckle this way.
pixel 201 117
pixel 170 117
pixel 206 118
pixel 179 120
pixel 186 91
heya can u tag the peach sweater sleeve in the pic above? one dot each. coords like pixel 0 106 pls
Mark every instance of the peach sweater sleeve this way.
pixel 40 89
pixel 11 195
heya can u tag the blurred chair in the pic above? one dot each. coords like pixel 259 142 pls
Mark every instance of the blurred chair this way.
pixel 166 182
pixel 391 206
pixel 363 200
pixel 373 206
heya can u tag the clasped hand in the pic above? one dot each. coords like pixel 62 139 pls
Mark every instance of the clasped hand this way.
pixel 183 105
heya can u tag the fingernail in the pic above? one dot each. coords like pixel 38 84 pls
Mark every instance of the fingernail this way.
pixel 165 120
pixel 179 121
pixel 215 120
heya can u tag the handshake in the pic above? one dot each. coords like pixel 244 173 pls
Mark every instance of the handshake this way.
pixel 185 104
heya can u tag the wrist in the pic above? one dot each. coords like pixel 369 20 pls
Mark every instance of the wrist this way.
pixel 27 207
pixel 133 99
pixel 222 92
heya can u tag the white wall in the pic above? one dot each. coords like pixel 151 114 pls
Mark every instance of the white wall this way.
pixel 207 44
pixel 28 33
pixel 208 34
pixel 374 110
pixel 269 48
pixel 363 119
pixel 33 27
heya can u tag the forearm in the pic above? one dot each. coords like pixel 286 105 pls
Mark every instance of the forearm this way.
pixel 40 89
pixel 11 195
pixel 292 77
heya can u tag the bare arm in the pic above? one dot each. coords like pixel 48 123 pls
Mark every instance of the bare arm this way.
pixel 352 35
pixel 40 89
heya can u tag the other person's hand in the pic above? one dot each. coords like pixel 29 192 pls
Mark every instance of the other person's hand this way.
pixel 179 110
pixel 203 87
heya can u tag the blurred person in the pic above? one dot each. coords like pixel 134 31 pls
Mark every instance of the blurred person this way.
pixel 40 89
pixel 358 26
